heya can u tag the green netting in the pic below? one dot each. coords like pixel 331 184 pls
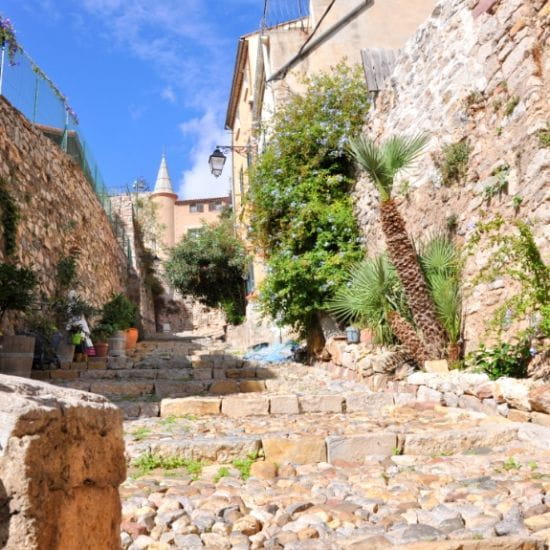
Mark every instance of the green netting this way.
pixel 28 89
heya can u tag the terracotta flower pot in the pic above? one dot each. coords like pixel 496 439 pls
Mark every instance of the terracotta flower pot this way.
pixel 101 349
pixel 131 338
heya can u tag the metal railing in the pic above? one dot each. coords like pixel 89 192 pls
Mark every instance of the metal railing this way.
pixel 30 90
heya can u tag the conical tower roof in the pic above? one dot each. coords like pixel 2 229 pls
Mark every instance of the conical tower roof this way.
pixel 163 183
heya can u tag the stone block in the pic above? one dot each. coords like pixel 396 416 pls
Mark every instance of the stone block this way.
pixel 78 366
pixel 40 375
pixel 149 409
pixel 354 449
pixel 403 398
pixel 515 392
pixel 540 418
pixel 455 441
pixel 369 402
pixel 202 374
pixel 470 402
pixel 166 388
pixel 190 405
pixel 440 365
pixel 97 364
pixel 321 403
pixel 117 363
pixel 305 449
pixel 428 395
pixel 245 405
pixel 284 404
pixel 131 389
pixel 539 398
pixel 60 374
pixel 224 387
pixel 518 416
pixel 250 386
pixel 50 428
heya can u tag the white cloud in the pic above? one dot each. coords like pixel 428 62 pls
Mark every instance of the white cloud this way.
pixel 198 182
pixel 168 94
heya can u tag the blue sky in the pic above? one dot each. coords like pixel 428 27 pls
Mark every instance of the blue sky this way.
pixel 143 76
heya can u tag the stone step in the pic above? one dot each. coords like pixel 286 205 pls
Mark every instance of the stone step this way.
pixel 241 405
pixel 337 450
pixel 162 388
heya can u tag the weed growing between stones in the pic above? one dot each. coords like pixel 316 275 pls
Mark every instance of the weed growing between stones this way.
pixel 222 472
pixel 544 136
pixel 511 464
pixel 511 105
pixel 141 433
pixel 149 461
pixel 244 464
pixel 453 162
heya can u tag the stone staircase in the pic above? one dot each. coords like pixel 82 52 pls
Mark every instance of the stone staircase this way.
pixel 229 454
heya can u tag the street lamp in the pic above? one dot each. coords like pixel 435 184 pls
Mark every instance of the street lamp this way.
pixel 217 159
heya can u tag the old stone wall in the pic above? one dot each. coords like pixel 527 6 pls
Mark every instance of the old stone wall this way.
pixel 477 73
pixel 60 213
pixel 61 462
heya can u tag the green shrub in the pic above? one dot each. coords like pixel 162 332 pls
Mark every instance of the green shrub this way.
pixel 120 313
pixel 502 360
pixel 301 209
pixel 453 162
pixel 210 266
pixel 17 286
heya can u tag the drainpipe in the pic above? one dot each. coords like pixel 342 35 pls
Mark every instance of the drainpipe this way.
pixel 282 72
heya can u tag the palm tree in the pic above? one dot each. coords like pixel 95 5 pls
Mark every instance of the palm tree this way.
pixel 382 164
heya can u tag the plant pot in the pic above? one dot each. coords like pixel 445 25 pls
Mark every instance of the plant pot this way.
pixel 101 349
pixel 65 352
pixel 117 344
pixel 131 338
pixel 16 355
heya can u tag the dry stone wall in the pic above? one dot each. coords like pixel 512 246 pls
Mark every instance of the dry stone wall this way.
pixel 481 76
pixel 60 213
pixel 61 462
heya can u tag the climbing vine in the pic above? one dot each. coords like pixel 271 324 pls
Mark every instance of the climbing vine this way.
pixel 10 219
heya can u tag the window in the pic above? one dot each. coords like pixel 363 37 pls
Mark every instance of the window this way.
pixel 215 206
pixel 194 231
pixel 196 207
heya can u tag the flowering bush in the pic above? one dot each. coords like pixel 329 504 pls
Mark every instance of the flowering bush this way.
pixel 8 39
pixel 301 209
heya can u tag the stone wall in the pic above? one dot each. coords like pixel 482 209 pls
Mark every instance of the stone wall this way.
pixel 60 213
pixel 61 462
pixel 481 76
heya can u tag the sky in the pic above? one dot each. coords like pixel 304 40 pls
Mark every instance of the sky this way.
pixel 143 76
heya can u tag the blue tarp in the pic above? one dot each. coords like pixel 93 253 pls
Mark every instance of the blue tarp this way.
pixel 276 353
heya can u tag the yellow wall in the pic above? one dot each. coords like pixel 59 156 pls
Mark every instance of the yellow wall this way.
pixel 185 219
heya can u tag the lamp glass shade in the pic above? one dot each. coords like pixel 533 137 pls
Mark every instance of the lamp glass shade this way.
pixel 216 162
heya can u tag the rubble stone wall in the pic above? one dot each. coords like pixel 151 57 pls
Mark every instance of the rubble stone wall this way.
pixel 61 462
pixel 59 212
pixel 481 76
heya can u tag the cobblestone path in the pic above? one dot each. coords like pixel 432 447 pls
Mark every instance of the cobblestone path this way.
pixel 248 456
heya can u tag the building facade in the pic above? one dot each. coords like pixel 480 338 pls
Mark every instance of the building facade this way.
pixel 271 65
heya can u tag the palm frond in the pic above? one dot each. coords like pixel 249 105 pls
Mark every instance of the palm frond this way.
pixel 439 255
pixel 369 156
pixel 373 292
pixel 400 152
pixel 446 295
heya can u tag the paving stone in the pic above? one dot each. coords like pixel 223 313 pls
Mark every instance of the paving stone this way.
pixel 245 405
pixel 320 403
pixel 371 402
pixel 284 404
pixel 190 405
pixel 224 387
pixel 354 449
pixel 299 450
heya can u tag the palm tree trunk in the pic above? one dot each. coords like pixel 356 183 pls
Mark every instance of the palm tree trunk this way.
pixel 404 258
pixel 406 334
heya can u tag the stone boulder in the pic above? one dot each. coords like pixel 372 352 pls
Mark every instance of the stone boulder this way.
pixel 61 462
pixel 540 399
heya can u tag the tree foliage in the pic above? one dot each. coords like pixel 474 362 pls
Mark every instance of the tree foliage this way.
pixel 17 286
pixel 301 209
pixel 210 265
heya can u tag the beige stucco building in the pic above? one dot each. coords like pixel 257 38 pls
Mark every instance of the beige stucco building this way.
pixel 177 218
pixel 272 62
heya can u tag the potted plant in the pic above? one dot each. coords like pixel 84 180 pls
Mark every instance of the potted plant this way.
pixel 100 337
pixel 121 313
pixel 17 285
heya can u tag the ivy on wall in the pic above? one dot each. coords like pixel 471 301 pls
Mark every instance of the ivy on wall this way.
pixel 9 219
